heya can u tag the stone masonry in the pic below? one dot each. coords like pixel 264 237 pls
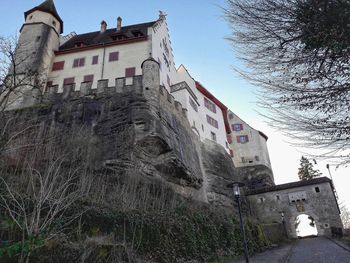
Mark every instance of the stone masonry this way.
pixel 314 197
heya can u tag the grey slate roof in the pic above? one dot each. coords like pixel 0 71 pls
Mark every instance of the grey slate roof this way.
pixel 49 7
pixel 97 37
pixel 290 185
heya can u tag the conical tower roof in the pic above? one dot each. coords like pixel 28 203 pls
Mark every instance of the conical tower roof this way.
pixel 49 7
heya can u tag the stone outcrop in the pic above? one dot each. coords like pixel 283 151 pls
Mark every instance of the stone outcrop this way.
pixel 138 129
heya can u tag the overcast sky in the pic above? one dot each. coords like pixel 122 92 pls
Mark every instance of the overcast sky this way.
pixel 197 32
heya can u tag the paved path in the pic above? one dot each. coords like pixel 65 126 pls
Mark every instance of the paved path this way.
pixel 276 255
pixel 315 250
pixel 320 250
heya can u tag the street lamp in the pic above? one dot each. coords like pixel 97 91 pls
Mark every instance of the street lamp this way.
pixel 283 223
pixel 329 171
pixel 237 195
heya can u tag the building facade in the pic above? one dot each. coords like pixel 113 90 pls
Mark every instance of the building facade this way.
pixel 110 54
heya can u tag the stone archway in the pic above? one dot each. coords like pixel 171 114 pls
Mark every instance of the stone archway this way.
pixel 305 225
pixel 284 203
pixel 291 221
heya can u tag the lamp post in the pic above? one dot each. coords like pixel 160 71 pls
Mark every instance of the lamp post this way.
pixel 237 195
pixel 329 171
pixel 283 223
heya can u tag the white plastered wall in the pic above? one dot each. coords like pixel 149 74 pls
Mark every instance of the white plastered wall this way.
pixel 254 151
pixel 43 17
pixel 130 55
pixel 160 35
pixel 220 132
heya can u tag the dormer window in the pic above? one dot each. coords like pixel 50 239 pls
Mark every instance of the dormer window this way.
pixel 30 18
pixel 137 33
pixel 54 23
pixel 118 37
pixel 79 44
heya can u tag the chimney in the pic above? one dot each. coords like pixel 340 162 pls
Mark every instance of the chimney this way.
pixel 119 23
pixel 103 26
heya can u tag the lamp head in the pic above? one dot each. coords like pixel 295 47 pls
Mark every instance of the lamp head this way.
pixel 236 188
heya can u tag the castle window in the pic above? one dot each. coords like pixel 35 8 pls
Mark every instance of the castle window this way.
pixel 79 62
pixel 237 127
pixel 212 121
pixel 48 85
pixel 30 18
pixel 94 60
pixel 193 105
pixel 137 33
pixel 119 37
pixel 317 189
pixel 209 105
pixel 202 127
pixel 277 197
pixel 130 72
pixel 113 56
pixel 58 65
pixel 68 81
pixel 79 44
pixel 242 139
pixel 261 200
pixel 213 136
pixel 88 78
pixel 54 23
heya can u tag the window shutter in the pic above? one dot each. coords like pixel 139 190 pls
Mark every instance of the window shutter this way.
pixel 88 78
pixel 58 65
pixel 130 72
pixel 68 81
pixel 82 62
pixel 75 63
pixel 241 127
pixel 94 60
pixel 238 139
pixel 246 138
pixel 113 56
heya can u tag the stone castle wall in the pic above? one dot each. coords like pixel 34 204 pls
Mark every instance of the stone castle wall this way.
pixel 138 126
pixel 317 200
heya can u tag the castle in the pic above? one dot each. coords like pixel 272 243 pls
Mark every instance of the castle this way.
pixel 139 58
pixel 109 54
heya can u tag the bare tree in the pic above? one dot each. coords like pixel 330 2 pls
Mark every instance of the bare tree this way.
pixel 345 216
pixel 44 173
pixel 38 201
pixel 16 74
pixel 297 51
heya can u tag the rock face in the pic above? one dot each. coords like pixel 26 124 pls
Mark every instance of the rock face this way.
pixel 137 129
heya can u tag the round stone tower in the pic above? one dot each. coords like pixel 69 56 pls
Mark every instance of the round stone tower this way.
pixel 39 39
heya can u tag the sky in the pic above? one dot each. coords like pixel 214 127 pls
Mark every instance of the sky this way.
pixel 197 33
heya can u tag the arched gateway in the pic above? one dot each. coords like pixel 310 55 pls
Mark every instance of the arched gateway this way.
pixel 282 204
